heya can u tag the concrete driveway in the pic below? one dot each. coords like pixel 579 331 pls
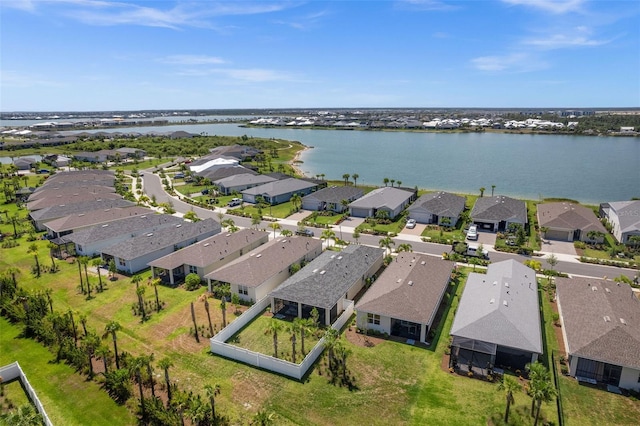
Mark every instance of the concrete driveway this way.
pixel 485 238
pixel 418 230
pixel 558 247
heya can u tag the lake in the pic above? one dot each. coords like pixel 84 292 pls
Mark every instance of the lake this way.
pixel 589 169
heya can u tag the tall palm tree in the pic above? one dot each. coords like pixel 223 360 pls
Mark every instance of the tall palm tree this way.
pixel 296 200
pixel 212 392
pixel 33 249
pixel 136 366
pixel 346 177
pixel 404 247
pixel 385 181
pixel 293 328
pixel 273 329
pixel 392 182
pixel 166 363
pixel 304 326
pixel 355 177
pixel 356 235
pixel 482 189
pixel 275 226
pixel 112 328
pixel 543 391
pixel 330 340
pixel 97 262
pixel 148 359
pixel 52 247
pixel 386 243
pixel 286 233
pixel 84 261
pixel 91 343
pixel 328 234
pixel 155 283
pixel 223 307
pixel 509 385
pixel 493 187
pixel 103 352
pixel 136 279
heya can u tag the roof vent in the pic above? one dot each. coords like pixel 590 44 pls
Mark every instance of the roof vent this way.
pixel 105 225
pixel 506 285
pixel 623 321
pixel 505 303
pixel 315 270
pixel 423 263
pixel 607 290
pixel 178 225
pixel 494 283
pixel 399 280
pixel 150 234
pixel 607 318
pixel 143 216
pixel 323 272
pixel 259 255
pixel 410 283
pixel 339 257
pixel 594 288
pixel 492 301
pixel 333 256
pixel 207 244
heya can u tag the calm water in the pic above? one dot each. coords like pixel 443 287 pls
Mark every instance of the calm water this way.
pixel 588 169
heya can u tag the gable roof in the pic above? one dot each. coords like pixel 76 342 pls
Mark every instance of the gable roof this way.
pixel 501 307
pixel 254 268
pixel 440 203
pixel 96 217
pixel 278 187
pixel 389 197
pixel 64 189
pixel 410 289
pixel 568 216
pixel 244 179
pixel 499 208
pixel 165 237
pixel 335 194
pixel 311 286
pixel 70 198
pixel 593 311
pixel 628 213
pixel 210 250
pixel 62 210
pixel 134 225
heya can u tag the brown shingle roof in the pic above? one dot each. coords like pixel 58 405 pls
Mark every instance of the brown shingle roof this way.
pixel 601 320
pixel 568 216
pixel 410 289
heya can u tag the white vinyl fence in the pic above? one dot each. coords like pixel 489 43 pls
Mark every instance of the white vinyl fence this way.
pixel 12 372
pixel 267 362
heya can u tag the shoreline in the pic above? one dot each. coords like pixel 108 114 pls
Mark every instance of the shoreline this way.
pixel 294 162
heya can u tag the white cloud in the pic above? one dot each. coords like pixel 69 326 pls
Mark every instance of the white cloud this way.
pixel 192 60
pixel 552 6
pixel 576 37
pixel 254 75
pixel 514 62
pixel 12 78
pixel 304 22
pixel 425 5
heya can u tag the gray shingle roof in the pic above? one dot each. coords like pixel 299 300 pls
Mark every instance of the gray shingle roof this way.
pixel 70 198
pixel 144 244
pixel 62 210
pixel 210 250
pixel 501 307
pixel 134 225
pixel 335 194
pixel 628 214
pixel 311 286
pixel 388 197
pixel 410 289
pixel 244 179
pixel 96 217
pixel 279 187
pixel 568 216
pixel 64 190
pixel 440 203
pixel 499 208
pixel 592 314
pixel 81 176
pixel 253 269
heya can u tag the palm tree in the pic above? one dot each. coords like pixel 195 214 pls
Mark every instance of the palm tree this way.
pixel 330 341
pixel 165 364
pixel 223 307
pixel 328 234
pixel 296 200
pixel 212 392
pixel 404 247
pixel 33 249
pixel 356 235
pixel 304 326
pixel 293 328
pixel 537 373
pixel 355 177
pixel 155 283
pixel 136 279
pixel 103 352
pixel 493 187
pixel 386 243
pixel 385 181
pixel 346 177
pixel 509 385
pixel 275 226
pixel 274 328
pixel 97 262
pixel 84 261
pixel 110 329
pixel 91 343
pixel 206 308
pixel 286 233
pixel 192 216
pixel 482 189
pixel 542 391
pixel 148 359
pixel 392 182
pixel 136 365
pixel 255 220
pixel 52 247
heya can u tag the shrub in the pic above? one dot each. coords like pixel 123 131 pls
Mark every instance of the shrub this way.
pixel 192 282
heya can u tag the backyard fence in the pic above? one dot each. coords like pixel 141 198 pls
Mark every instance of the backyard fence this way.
pixel 297 371
pixel 556 381
pixel 13 372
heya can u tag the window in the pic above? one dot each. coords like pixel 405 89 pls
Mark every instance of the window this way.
pixel 193 269
pixel 242 289
pixel 79 248
pixel 122 262
pixel 373 319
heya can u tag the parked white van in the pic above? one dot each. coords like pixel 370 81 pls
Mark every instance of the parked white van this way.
pixel 234 202
pixel 472 233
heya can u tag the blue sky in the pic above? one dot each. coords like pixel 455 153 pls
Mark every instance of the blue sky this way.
pixel 85 55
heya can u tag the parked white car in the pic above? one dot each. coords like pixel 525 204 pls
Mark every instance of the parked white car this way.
pixel 411 223
pixel 472 233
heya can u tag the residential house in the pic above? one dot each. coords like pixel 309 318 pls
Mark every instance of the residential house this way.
pixel 39 217
pixel 254 275
pixel 278 191
pixel 331 198
pixel 389 199
pixel 69 190
pixel 25 163
pixel 91 241
pixel 569 222
pixel 497 213
pixel 241 152
pixel 70 198
pixel 326 283
pixel 441 208
pixel 624 217
pixel 497 323
pixel 134 254
pixel 240 182
pixel 404 300
pixel 207 255
pixel 74 222
pixel 131 152
pixel 601 330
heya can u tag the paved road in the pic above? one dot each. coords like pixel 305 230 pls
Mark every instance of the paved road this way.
pixel 153 186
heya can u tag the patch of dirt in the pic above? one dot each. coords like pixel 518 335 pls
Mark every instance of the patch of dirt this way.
pixel 558 331
pixel 362 340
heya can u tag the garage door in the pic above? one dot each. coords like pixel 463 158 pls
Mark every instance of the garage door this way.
pixel 554 234
pixel 421 217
